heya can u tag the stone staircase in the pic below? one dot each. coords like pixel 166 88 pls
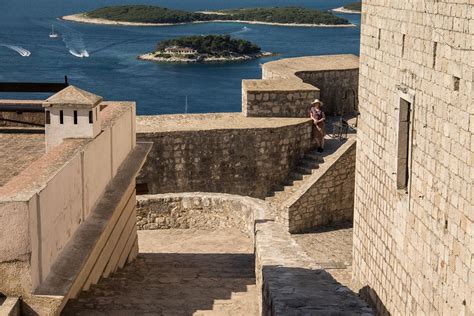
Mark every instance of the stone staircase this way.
pixel 308 165
pixel 240 303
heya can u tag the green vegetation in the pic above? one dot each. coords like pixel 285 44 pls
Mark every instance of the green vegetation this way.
pixel 154 14
pixel 286 15
pixel 356 6
pixel 212 45
pixel 147 14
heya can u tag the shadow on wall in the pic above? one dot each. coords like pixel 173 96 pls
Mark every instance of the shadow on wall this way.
pixel 371 296
pixel 298 291
pixel 170 283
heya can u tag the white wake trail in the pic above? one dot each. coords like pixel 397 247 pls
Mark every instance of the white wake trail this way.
pixel 20 50
pixel 81 54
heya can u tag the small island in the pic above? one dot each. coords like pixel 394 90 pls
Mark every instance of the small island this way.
pixel 352 8
pixel 145 15
pixel 204 48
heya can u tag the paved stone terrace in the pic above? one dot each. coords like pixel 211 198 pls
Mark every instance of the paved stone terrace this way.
pixel 331 248
pixel 18 151
pixel 179 272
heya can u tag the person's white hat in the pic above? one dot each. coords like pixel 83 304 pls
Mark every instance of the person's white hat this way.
pixel 317 101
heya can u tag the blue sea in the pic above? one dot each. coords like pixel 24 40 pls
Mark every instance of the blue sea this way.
pixel 112 70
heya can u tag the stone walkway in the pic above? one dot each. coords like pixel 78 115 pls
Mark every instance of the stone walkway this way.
pixel 179 272
pixel 331 248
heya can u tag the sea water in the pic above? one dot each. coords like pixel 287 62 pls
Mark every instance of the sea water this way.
pixel 102 59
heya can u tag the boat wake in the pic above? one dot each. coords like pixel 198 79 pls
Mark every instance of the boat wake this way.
pixel 20 50
pixel 82 54
pixel 243 30
pixel 74 42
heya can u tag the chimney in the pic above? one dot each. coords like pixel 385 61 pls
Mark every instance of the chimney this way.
pixel 71 113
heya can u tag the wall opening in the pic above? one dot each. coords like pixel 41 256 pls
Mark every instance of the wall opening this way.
pixel 91 118
pixel 75 117
pixel 379 35
pixel 435 51
pixel 61 117
pixel 403 152
pixel 48 117
pixel 403 45
pixel 456 83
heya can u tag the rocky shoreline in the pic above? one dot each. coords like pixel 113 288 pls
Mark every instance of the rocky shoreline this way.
pixel 82 18
pixel 202 59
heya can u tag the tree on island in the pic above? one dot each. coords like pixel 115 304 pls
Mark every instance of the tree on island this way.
pixel 212 45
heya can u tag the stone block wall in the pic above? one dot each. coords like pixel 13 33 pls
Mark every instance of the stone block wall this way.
pixel 20 119
pixel 244 161
pixel 327 197
pixel 413 248
pixel 276 98
pixel 208 211
pixel 338 89
pixel 336 78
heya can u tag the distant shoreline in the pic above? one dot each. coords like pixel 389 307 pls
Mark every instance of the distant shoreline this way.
pixel 81 18
pixel 344 10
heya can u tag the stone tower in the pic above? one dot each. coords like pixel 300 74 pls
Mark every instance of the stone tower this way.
pixel 71 113
pixel 414 193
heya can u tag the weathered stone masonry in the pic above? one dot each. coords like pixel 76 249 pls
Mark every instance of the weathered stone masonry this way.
pixel 339 89
pixel 336 78
pixel 327 197
pixel 413 248
pixel 277 98
pixel 245 161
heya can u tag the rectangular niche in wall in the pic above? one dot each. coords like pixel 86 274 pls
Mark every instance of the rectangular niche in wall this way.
pixel 404 144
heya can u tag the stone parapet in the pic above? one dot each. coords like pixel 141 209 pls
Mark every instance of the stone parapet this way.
pixel 289 85
pixel 198 211
pixel 291 284
pixel 226 153
pixel 277 98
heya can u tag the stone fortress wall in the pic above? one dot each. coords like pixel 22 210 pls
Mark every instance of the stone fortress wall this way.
pixel 196 158
pixel 277 98
pixel 335 76
pixel 225 153
pixel 244 153
pixel 413 248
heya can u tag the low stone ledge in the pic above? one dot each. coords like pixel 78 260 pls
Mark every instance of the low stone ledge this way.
pixel 198 210
pixel 291 284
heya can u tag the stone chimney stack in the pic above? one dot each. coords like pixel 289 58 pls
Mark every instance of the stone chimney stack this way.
pixel 71 113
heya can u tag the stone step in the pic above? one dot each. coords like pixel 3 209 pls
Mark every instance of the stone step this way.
pixel 315 156
pixel 309 163
pixel 296 176
pixel 305 170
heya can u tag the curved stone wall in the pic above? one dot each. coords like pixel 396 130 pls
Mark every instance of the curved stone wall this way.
pixel 198 210
pixel 334 78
